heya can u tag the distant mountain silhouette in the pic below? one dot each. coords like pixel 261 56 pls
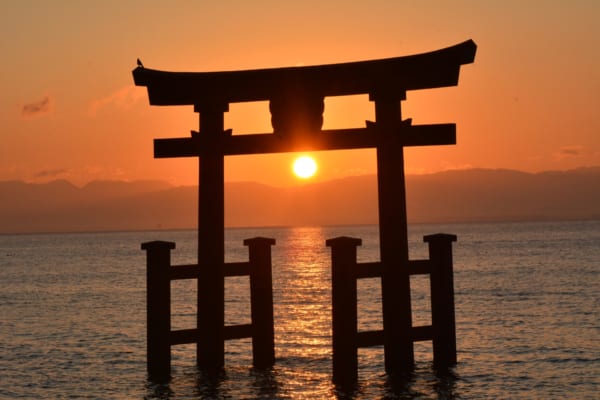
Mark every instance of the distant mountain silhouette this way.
pixel 494 195
pixel 460 196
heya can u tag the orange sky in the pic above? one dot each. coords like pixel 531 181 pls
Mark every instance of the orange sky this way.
pixel 69 110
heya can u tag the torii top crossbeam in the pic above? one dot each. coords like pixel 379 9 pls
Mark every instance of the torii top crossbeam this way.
pixel 422 71
pixel 296 96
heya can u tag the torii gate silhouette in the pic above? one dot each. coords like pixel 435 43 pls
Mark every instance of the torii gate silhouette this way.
pixel 296 102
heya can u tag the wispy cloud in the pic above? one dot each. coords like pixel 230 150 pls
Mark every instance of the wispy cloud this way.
pixel 123 99
pixel 339 172
pixel 446 166
pixel 569 151
pixel 51 173
pixel 37 108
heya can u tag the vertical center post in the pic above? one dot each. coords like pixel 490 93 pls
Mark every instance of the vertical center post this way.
pixel 211 239
pixel 393 233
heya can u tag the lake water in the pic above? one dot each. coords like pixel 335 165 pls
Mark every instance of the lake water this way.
pixel 72 316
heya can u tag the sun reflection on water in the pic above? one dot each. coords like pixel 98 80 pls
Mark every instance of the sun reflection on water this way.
pixel 302 296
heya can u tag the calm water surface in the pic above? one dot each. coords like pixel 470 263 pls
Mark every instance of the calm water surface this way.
pixel 72 316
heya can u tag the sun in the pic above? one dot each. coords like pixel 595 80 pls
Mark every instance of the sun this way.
pixel 304 167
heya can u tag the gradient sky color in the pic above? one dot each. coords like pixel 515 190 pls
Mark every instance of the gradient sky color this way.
pixel 69 109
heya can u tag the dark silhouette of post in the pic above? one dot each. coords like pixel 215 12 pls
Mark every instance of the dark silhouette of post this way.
pixel 211 238
pixel 158 302
pixel 160 273
pixel 393 235
pixel 261 301
pixel 344 311
pixel 347 339
pixel 442 299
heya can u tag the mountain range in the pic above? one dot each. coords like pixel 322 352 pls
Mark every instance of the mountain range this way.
pixel 474 195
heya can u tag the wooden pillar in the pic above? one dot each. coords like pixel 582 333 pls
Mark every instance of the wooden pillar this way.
pixel 211 238
pixel 393 235
pixel 344 309
pixel 442 299
pixel 158 309
pixel 261 301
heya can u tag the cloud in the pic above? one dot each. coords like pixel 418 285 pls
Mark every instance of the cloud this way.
pixel 37 108
pixel 124 99
pixel 569 151
pixel 447 166
pixel 51 173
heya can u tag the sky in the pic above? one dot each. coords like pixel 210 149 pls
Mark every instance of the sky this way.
pixel 69 109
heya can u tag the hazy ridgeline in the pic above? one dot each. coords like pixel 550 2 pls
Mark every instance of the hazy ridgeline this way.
pixel 452 196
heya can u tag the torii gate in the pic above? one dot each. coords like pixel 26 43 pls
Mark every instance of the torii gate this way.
pixel 296 102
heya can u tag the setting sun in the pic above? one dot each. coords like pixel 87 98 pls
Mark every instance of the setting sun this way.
pixel 304 167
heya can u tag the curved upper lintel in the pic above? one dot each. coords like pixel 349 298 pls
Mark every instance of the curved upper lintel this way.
pixel 438 68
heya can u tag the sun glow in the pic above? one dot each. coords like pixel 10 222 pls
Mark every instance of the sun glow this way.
pixel 304 167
